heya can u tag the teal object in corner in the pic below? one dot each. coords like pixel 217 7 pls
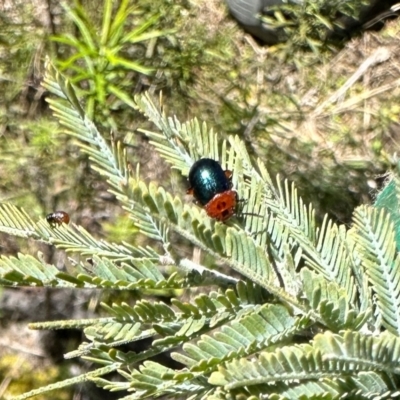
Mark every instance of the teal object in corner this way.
pixel 388 199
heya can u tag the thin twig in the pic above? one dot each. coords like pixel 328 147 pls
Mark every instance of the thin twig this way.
pixel 379 56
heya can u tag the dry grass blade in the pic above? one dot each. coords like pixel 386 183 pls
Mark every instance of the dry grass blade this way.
pixel 379 56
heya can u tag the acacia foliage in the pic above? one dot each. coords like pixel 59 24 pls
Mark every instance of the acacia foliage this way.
pixel 252 332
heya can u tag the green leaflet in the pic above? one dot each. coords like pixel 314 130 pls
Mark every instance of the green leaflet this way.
pixel 332 302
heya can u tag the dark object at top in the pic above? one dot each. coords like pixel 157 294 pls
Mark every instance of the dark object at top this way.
pixel 206 179
pixel 57 218
pixel 246 14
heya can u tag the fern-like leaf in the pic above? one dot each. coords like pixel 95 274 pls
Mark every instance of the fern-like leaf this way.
pixel 375 239
pixel 256 329
pixel 329 356
pixel 331 302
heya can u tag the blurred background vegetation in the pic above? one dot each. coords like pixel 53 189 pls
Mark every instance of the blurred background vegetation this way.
pixel 322 113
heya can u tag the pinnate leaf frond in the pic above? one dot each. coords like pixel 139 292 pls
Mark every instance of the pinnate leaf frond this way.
pixel 244 336
pixel 374 236
pixel 331 302
pixel 328 356
pixel 25 270
pixel 361 352
pixel 15 221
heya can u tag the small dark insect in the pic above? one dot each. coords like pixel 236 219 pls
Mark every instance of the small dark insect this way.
pixel 57 218
pixel 211 186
